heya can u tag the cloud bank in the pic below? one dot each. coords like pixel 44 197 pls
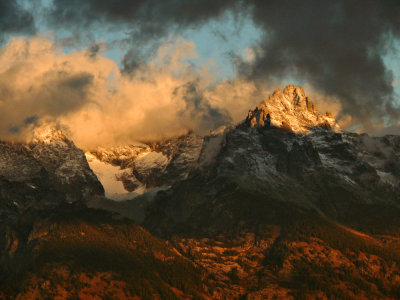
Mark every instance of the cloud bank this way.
pixel 14 18
pixel 336 48
pixel 88 95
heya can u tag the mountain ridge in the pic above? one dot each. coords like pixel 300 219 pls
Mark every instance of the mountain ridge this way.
pixel 299 210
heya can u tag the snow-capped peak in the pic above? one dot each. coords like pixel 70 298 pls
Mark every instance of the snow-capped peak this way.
pixel 290 109
pixel 49 135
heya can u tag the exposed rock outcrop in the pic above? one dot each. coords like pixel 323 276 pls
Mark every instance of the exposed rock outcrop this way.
pixel 249 214
pixel 289 109
pixel 66 164
pixel 49 167
pixel 148 166
pixel 254 173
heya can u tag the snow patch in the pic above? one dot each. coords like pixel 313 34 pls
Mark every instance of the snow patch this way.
pixel 107 175
pixel 151 160
pixel 349 180
pixel 387 178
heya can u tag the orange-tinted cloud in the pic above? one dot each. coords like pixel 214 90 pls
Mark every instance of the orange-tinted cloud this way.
pixel 91 98
pixel 88 95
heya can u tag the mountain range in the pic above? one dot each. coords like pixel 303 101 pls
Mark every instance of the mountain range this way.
pixel 284 205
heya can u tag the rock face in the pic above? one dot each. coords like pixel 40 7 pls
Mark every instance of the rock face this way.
pixel 159 165
pixel 298 211
pixel 48 244
pixel 67 165
pixel 24 181
pixel 17 163
pixel 291 110
pixel 289 212
pixel 148 166
pixel 252 175
pixel 50 166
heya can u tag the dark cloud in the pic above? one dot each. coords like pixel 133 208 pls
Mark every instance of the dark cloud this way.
pixel 14 129
pixel 66 92
pixel 198 110
pixel 152 18
pixel 94 49
pixel 337 46
pixel 13 18
pixel 144 21
pixel 131 61
pixel 31 120
pixel 78 82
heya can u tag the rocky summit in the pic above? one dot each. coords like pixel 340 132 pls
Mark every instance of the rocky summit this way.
pixel 290 109
pixel 284 205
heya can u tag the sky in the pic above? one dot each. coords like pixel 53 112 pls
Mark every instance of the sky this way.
pixel 116 72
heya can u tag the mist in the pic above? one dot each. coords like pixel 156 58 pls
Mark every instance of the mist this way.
pixel 90 98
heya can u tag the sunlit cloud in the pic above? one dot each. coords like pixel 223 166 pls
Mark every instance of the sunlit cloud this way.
pixel 87 95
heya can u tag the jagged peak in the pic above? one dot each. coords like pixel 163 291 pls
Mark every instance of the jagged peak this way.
pixel 49 134
pixel 290 109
